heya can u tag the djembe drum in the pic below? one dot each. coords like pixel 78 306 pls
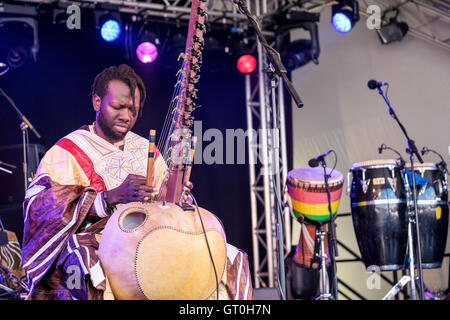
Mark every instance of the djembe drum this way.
pixel 308 195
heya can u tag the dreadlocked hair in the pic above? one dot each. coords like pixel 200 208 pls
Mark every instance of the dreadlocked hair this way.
pixel 125 74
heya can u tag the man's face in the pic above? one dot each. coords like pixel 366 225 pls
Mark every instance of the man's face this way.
pixel 115 114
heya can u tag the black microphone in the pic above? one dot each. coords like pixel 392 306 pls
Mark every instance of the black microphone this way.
pixel 424 150
pixel 381 148
pixel 373 84
pixel 315 161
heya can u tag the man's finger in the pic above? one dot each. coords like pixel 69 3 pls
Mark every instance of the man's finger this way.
pixel 146 188
pixel 139 180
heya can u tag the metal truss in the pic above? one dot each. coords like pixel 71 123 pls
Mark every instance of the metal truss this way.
pixel 428 20
pixel 223 12
pixel 265 116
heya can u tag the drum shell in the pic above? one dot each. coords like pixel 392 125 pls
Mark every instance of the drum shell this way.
pixel 433 215
pixel 380 217
pixel 304 254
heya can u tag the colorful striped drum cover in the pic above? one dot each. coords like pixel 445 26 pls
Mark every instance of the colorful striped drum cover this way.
pixel 306 187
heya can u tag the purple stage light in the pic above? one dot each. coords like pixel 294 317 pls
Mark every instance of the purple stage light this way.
pixel 147 52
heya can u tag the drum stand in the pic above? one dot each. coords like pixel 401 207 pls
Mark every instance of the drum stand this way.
pixel 320 241
pixel 321 256
pixel 412 214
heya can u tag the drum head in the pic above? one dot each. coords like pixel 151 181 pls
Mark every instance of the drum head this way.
pixel 375 164
pixel 314 177
pixel 425 165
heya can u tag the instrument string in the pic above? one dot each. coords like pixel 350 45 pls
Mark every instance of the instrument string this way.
pixel 171 125
pixel 164 143
pixel 169 117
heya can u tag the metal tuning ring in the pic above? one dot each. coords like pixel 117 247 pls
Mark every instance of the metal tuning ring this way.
pixel 196 53
pixel 201 12
pixel 200 26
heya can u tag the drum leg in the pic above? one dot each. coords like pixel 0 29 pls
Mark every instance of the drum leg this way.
pixel 304 276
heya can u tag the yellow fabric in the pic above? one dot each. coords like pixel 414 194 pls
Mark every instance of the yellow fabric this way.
pixel 62 167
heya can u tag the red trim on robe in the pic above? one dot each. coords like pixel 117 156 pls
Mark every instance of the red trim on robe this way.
pixel 85 163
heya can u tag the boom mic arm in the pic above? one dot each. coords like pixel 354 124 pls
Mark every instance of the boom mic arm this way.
pixel 442 165
pixel 385 147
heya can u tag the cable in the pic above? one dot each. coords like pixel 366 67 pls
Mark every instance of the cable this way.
pixel 207 244
pixel 280 206
pixel 335 162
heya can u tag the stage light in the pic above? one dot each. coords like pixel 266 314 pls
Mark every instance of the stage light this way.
pixel 298 53
pixel 19 40
pixel 341 22
pixel 295 54
pixel 246 63
pixel 146 52
pixel 242 47
pixel 110 30
pixel 345 14
pixel 393 30
pixel 146 48
pixel 110 25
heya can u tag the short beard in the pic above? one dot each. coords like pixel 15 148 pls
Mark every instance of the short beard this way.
pixel 107 131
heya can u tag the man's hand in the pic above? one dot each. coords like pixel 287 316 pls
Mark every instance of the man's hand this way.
pixel 133 188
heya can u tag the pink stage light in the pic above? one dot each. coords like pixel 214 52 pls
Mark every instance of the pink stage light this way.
pixel 147 52
pixel 246 63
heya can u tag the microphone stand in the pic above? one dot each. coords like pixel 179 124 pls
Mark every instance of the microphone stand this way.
pixel 413 217
pixel 6 170
pixel 272 54
pixel 25 124
pixel 332 232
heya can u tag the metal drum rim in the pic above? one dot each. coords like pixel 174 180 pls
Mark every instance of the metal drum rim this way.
pixel 302 183
pixel 375 164
pixel 425 165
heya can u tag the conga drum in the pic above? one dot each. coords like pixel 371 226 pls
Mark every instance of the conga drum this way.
pixel 306 188
pixel 432 211
pixel 378 205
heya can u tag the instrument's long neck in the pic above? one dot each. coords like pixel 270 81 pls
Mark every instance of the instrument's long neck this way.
pixel 177 143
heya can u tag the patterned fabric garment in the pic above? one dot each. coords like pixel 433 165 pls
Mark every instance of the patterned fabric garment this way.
pixel 11 255
pixel 64 216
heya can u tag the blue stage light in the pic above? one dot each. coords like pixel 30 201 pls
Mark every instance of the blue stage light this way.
pixel 344 15
pixel 341 22
pixel 110 30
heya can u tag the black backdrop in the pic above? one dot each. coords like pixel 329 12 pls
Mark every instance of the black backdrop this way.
pixel 53 93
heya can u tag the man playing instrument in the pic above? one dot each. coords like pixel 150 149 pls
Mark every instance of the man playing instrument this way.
pixel 77 185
